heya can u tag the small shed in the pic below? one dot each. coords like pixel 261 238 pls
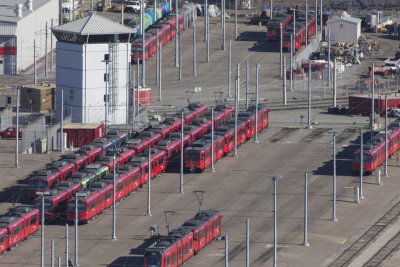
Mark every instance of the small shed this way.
pixel 343 29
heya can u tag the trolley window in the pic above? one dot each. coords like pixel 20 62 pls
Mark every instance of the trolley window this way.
pixel 2 238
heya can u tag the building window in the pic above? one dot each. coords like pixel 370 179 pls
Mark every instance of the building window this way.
pixel 71 94
pixel 341 25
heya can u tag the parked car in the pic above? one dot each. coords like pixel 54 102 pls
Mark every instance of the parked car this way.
pixel 133 6
pixel 10 133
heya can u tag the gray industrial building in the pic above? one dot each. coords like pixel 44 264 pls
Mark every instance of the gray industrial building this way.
pixel 22 21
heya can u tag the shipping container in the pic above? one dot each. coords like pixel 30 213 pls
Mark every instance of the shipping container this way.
pixel 361 104
pixel 79 134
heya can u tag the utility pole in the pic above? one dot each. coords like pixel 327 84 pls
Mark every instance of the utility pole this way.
pixel 176 33
pixel 194 49
pixel 62 122
pixel 45 49
pixel 284 98
pixel 236 26
pixel 309 95
pixel 305 242
pixel 182 148
pixel 17 130
pixel 247 83
pixel 114 236
pixel 34 62
pixel 334 179
pixel 76 229
pixel 256 115
pixel 149 184
pixel 212 139
pixel 281 49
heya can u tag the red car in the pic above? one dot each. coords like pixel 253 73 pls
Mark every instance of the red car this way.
pixel 10 133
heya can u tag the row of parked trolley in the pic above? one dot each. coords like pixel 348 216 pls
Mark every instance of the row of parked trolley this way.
pixel 160 28
pixel 90 170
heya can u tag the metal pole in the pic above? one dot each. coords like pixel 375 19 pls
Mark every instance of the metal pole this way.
pixel 226 251
pixel 275 225
pixel 316 19
pixel 247 242
pixel 309 95
pixel 306 39
pixel 373 98
pixel 114 236
pixel 143 46
pixel 361 164
pixel 194 49
pixel 62 122
pixel 212 139
pixel 106 102
pixel 208 36
pixel 17 127
pixel 182 148
pixel 236 113
pixel 42 234
pixel 271 10
pixel 334 83
pixel 256 115
pixel 236 29
pixel 76 230
pixel 157 55
pixel 205 20
pixel 281 49
pixel 386 138
pixel 305 242
pixel 329 58
pixel 176 33
pixel 229 68
pixel 291 62
pixel 34 62
pixel 180 57
pixel 45 49
pixel 133 94
pixel 137 93
pixel 247 83
pixel 59 261
pixel 223 26
pixel 52 253
pixel 334 179
pixel 160 75
pixel 66 245
pixel 284 82
pixel 149 184
pixel 320 16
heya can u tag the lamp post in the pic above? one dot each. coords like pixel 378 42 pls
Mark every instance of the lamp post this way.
pixel 114 236
pixel 274 180
pixel 106 97
pixel 41 194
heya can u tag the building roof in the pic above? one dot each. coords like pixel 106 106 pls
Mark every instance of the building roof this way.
pixel 8 9
pixel 93 24
pixel 345 19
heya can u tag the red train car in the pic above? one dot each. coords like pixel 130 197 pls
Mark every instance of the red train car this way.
pixel 374 151
pixel 273 26
pixel 64 167
pixel 182 243
pixel 43 180
pixel 17 225
pixel 92 152
pixel 80 160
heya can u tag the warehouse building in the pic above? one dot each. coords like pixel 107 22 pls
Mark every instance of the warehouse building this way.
pixel 92 70
pixel 343 29
pixel 22 21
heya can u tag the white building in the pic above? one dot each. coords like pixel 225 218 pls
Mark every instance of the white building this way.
pixel 82 46
pixel 343 29
pixel 22 21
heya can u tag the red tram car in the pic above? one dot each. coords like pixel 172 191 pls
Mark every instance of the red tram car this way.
pixel 273 26
pixel 186 241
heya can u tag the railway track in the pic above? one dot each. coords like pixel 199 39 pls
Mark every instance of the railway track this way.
pixel 316 133
pixel 284 132
pixel 368 237
pixel 302 104
pixel 346 133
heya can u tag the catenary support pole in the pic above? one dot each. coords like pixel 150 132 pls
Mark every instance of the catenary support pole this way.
pixel 182 148
pixel 226 251
pixel 316 19
pixel 247 83
pixel 329 58
pixel 17 127
pixel 194 49
pixel 42 233
pixel 291 62
pixel 309 126
pixel 274 179
pixel 208 34
pixel 66 245
pixel 205 20
pixel 59 261
pixel 306 35
pixel 114 236
pixel 176 33
pixel 212 140
pixel 247 242
pixel 236 22
pixel 334 82
pixel 142 11
pixel 386 136
pixel 180 56
pixel 334 179
pixel 256 109
pixel 281 49
pixel 52 254
pixel 373 99
pixel 46 32
pixel 223 26
pixel 157 55
pixel 229 68
pixel 305 241
pixel 320 16
pixel 284 98
pixel 34 62
pixel 149 184
pixel 76 230
pixel 361 164
pixel 236 114
pixel 62 122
